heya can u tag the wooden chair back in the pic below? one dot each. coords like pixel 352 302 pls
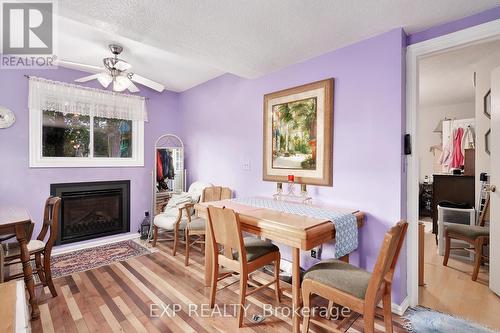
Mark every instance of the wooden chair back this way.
pixel 387 259
pixel 50 222
pixel 485 212
pixel 216 193
pixel 225 230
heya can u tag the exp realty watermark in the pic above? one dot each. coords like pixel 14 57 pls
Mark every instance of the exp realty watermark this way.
pixel 231 310
pixel 28 34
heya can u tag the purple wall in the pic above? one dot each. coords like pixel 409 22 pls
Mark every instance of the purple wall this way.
pixel 449 27
pixel 222 121
pixel 20 185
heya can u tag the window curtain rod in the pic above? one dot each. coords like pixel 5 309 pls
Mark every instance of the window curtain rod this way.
pixel 84 87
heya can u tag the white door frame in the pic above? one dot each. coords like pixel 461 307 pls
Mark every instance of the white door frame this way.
pixel 476 34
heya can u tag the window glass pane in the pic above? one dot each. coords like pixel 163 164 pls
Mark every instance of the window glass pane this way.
pixel 112 137
pixel 65 135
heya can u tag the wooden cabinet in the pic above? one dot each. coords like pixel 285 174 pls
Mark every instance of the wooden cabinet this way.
pixel 455 188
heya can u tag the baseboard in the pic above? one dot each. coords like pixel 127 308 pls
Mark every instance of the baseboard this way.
pixel 398 309
pixel 89 244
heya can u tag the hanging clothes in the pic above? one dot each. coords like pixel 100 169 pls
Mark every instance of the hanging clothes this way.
pixel 170 173
pixel 164 162
pixel 468 139
pixel 457 159
pixel 159 167
pixel 437 152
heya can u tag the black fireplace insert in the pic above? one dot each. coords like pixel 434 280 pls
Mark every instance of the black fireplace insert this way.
pixel 92 209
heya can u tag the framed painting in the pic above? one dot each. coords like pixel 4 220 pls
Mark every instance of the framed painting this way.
pixel 298 137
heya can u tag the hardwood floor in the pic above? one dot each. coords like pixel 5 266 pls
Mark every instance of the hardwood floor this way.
pixel 450 289
pixel 117 298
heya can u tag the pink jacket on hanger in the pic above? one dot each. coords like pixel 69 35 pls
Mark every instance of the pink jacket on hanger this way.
pixel 457 159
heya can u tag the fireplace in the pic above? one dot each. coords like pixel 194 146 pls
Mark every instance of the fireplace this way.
pixel 93 209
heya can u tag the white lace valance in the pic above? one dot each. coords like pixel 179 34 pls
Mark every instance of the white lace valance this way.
pixel 71 98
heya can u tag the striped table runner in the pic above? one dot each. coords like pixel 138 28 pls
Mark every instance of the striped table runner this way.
pixel 346 225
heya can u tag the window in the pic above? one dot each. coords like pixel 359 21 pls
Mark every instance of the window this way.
pixel 72 126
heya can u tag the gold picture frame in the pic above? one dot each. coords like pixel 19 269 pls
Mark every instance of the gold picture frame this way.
pixel 298 135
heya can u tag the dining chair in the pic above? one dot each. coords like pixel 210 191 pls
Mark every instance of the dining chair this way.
pixel 476 236
pixel 196 225
pixel 172 220
pixel 354 287
pixel 238 254
pixel 39 248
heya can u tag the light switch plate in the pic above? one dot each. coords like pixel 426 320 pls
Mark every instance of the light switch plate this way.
pixel 245 165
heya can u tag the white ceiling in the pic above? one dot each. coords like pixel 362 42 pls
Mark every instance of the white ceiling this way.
pixel 184 43
pixel 448 78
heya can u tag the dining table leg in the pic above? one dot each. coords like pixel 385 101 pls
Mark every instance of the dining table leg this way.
pixel 208 257
pixel 21 235
pixel 296 297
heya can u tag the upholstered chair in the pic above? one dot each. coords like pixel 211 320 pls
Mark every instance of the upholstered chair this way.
pixel 477 236
pixel 354 287
pixel 196 225
pixel 40 249
pixel 238 254
pixel 174 217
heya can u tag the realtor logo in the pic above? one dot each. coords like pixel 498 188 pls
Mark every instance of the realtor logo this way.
pixel 28 37
pixel 27 28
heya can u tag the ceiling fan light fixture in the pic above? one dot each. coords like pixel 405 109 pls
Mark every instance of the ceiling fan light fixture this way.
pixel 104 79
pixel 121 83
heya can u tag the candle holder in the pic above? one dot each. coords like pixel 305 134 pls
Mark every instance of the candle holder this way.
pixel 290 194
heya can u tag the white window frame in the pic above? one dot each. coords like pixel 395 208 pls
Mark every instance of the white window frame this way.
pixel 37 160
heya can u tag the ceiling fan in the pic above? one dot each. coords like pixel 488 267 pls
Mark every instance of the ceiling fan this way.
pixel 115 71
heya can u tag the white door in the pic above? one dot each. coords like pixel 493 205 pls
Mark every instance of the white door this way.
pixel 494 144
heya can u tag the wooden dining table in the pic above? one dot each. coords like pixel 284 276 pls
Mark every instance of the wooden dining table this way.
pixel 298 232
pixel 17 221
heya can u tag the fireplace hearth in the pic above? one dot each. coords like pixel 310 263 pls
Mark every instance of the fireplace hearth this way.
pixel 92 209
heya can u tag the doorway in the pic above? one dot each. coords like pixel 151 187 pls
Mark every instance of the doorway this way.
pixel 445 82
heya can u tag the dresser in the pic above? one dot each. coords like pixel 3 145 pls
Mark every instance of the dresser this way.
pixel 455 188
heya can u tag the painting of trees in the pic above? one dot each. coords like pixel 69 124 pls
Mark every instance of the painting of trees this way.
pixel 294 131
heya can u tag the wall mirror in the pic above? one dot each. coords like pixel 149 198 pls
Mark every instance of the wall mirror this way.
pixel 169 175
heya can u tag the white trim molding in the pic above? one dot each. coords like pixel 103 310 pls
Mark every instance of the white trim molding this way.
pixel 65 98
pixel 61 249
pixel 477 34
pixel 400 309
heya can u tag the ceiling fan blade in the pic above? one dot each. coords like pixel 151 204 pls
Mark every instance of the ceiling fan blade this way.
pixel 88 78
pixel 133 88
pixel 79 66
pixel 146 82
pixel 122 65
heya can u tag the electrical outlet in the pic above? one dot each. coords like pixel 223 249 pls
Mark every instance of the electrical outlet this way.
pixel 316 252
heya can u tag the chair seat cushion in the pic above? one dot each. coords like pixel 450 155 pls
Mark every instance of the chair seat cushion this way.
pixel 197 223
pixel 257 248
pixel 469 231
pixel 340 275
pixel 12 250
pixel 167 222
